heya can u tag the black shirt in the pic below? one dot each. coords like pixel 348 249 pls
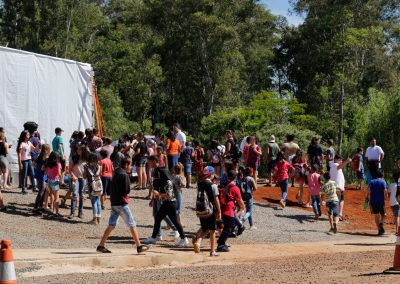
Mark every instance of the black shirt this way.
pixel 120 188
pixel 3 149
pixel 143 149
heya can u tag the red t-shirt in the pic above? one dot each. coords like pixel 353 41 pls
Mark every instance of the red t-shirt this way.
pixel 281 170
pixel 233 195
pixel 106 167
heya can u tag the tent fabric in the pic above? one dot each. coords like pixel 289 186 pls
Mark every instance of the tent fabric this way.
pixel 51 91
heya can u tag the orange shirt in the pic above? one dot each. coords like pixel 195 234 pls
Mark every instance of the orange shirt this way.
pixel 172 147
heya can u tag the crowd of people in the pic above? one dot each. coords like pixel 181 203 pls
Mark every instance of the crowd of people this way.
pixel 226 176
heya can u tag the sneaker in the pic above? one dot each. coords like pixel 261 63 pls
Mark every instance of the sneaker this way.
pixel 71 216
pixel 253 228
pixel 159 238
pixel 142 248
pixel 176 236
pixel 330 230
pixel 214 253
pixel 182 243
pixel 240 230
pixel 80 215
pixel 334 228
pixel 196 247
pixel 222 248
pixel 150 241
pixel 24 192
pixel 316 218
pixel 58 215
pixel 282 203
pixel 102 249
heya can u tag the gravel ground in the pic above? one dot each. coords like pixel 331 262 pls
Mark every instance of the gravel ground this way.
pixel 337 268
pixel 28 231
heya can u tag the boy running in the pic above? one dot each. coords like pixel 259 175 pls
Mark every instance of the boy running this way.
pixel 331 190
pixel 120 188
pixel 376 197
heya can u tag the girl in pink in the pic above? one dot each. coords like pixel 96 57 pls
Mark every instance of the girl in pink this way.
pixel 300 167
pixel 281 176
pixel 53 172
pixel 314 186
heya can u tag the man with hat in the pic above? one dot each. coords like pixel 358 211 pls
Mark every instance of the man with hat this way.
pixel 271 154
pixel 206 187
pixel 229 196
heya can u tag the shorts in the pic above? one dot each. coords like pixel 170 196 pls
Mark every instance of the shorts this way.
pixel 4 163
pixel 270 167
pixel 254 166
pixel 396 210
pixel 106 181
pixel 377 209
pixel 209 223
pixel 333 208
pixel 54 184
pixel 188 169
pixel 360 174
pixel 125 213
pixel 63 164
pixel 141 162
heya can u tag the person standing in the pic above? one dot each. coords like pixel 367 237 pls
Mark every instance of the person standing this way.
pixel 271 154
pixel 179 135
pixel 315 153
pixel 173 150
pixel 358 167
pixel 394 197
pixel 289 148
pixel 329 154
pixel 24 149
pixel 58 146
pixel 140 158
pixel 253 157
pixel 120 189
pixel 187 159
pixel 4 165
pixel 374 156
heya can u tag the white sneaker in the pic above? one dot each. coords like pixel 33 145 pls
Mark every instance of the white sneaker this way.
pixel 159 238
pixel 176 236
pixel 150 241
pixel 182 243
pixel 253 228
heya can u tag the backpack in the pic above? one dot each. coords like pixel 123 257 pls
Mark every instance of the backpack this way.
pixel 216 156
pixel 298 171
pixel 96 184
pixel 245 189
pixel 224 193
pixel 204 207
pixel 235 151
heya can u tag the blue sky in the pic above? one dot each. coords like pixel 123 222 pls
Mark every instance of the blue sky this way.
pixel 281 7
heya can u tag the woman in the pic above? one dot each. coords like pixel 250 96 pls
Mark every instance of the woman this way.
pixel 300 166
pixel 198 159
pixel 92 174
pixel 173 150
pixel 253 156
pixel 24 149
pixel 231 149
pixel 214 155
pixel 77 181
pixel 4 165
pixel 282 171
pixel 315 153
pixel 140 158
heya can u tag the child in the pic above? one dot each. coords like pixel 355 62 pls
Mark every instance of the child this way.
pixel 299 165
pixel 395 199
pixel 92 174
pixel 314 187
pixel 181 183
pixel 247 187
pixel 53 172
pixel 106 175
pixel 77 181
pixel 186 158
pixel 162 158
pixel 376 197
pixel 40 177
pixel 281 176
pixel 331 190
pixel 120 188
pixel 336 173
pixel 358 167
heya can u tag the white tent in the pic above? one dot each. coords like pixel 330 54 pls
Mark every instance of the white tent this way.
pixel 51 91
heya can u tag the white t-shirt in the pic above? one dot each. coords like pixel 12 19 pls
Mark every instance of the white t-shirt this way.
pixel 25 149
pixel 374 153
pixel 337 175
pixel 181 137
pixel 289 150
pixel 392 191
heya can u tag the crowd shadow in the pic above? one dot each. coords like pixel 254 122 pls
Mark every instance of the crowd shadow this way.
pixel 300 218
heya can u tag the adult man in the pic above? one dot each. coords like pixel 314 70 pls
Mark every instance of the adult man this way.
pixel 374 156
pixel 58 146
pixel 289 148
pixel 179 135
pixel 376 196
pixel 208 224
pixel 120 188
pixel 229 195
pixel 271 154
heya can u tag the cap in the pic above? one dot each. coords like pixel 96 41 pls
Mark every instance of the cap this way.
pixel 272 138
pixel 58 130
pixel 209 170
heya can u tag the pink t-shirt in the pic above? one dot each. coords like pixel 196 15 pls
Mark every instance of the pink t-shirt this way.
pixel 281 170
pixel 313 184
pixel 52 173
pixel 26 148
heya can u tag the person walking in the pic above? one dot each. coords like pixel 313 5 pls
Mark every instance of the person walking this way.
pixel 374 156
pixel 283 170
pixel 376 197
pixel 272 150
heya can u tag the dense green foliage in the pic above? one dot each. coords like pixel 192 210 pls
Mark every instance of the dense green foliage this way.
pixel 214 65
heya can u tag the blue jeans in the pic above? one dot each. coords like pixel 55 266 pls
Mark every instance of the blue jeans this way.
pixel 96 206
pixel 27 169
pixel 284 188
pixel 178 204
pixel 249 212
pixel 156 207
pixel 125 213
pixel 77 193
pixel 40 197
pixel 315 201
pixel 172 161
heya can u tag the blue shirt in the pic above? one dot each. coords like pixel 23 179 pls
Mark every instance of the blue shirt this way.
pixel 56 141
pixel 187 155
pixel 377 187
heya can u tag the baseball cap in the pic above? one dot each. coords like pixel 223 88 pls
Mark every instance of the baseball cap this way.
pixel 208 170
pixel 58 130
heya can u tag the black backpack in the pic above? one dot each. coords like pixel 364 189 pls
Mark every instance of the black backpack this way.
pixel 245 190
pixel 235 151
pixel 204 206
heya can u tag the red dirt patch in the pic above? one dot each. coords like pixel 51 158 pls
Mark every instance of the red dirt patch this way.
pixel 355 217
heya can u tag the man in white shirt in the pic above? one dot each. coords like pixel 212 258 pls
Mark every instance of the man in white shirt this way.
pixel 374 156
pixel 179 135
pixel 337 175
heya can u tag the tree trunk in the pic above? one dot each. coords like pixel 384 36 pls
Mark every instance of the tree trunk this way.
pixel 341 120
